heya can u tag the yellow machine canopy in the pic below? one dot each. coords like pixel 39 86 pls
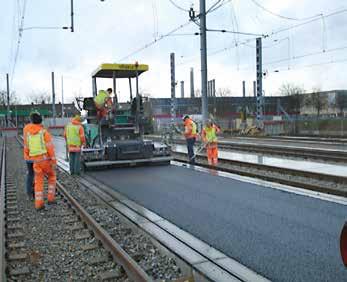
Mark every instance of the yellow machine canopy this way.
pixel 119 70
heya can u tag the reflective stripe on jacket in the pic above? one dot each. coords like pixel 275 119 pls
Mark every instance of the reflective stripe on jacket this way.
pixel 100 99
pixel 36 143
pixel 73 135
pixel 210 134
pixel 190 128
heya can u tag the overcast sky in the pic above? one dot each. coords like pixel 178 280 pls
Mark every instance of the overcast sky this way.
pixel 108 31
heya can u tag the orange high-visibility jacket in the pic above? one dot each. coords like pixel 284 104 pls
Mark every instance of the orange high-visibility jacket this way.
pixel 33 129
pixel 73 148
pixel 189 129
pixel 215 130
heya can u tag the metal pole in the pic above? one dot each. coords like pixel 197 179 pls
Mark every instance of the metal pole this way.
pixel 131 90
pixel 260 104
pixel 62 96
pixel 72 20
pixel 244 89
pixel 115 99
pixel 192 83
pixel 214 97
pixel 243 124
pixel 208 89
pixel 173 88
pixel 8 116
pixel 53 100
pixel 94 86
pixel 213 87
pixel 137 103
pixel 203 47
pixel 182 89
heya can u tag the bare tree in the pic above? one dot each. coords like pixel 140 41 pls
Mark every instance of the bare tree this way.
pixel 317 100
pixel 14 100
pixel 341 102
pixel 223 92
pixel 294 96
pixel 41 97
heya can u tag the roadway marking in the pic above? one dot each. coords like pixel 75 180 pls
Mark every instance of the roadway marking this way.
pixel 268 184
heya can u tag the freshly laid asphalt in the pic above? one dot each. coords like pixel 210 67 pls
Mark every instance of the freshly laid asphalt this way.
pixel 280 235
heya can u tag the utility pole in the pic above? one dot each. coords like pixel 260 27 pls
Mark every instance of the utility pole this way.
pixel 214 97
pixel 72 28
pixel 203 48
pixel 53 100
pixel 173 88
pixel 243 116
pixel 62 96
pixel 259 62
pixel 192 94
pixel 8 115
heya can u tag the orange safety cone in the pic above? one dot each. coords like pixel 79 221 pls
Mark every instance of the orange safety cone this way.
pixel 343 244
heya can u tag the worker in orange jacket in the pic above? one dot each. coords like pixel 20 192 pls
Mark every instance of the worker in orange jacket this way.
pixel 103 103
pixel 190 133
pixel 209 136
pixel 75 139
pixel 39 148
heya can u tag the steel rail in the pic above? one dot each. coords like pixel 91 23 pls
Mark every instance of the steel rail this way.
pixel 133 270
pixel 2 212
pixel 109 198
pixel 224 165
pixel 290 151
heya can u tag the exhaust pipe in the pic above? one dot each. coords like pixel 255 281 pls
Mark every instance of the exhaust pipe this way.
pixel 343 244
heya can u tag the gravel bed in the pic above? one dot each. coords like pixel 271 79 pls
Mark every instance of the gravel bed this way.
pixel 50 243
pixel 138 246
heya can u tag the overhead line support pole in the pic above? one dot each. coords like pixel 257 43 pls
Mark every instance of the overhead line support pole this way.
pixel 8 100
pixel 72 17
pixel 53 100
pixel 203 48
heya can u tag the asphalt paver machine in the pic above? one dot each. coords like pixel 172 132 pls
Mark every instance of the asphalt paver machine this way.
pixel 118 139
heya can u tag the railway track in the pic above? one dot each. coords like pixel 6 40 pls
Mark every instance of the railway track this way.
pixel 293 177
pixel 67 241
pixel 312 153
pixel 203 262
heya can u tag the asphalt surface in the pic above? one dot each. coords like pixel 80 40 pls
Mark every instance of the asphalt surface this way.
pixel 283 236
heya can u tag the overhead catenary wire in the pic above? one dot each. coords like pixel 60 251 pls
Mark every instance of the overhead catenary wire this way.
pixel 314 65
pixel 156 40
pixel 178 6
pixel 281 16
pixel 309 21
pixel 213 8
pixel 20 34
pixel 280 31
pixel 235 32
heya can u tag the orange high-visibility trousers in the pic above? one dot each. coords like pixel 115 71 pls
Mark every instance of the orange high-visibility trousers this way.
pixel 41 170
pixel 212 154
